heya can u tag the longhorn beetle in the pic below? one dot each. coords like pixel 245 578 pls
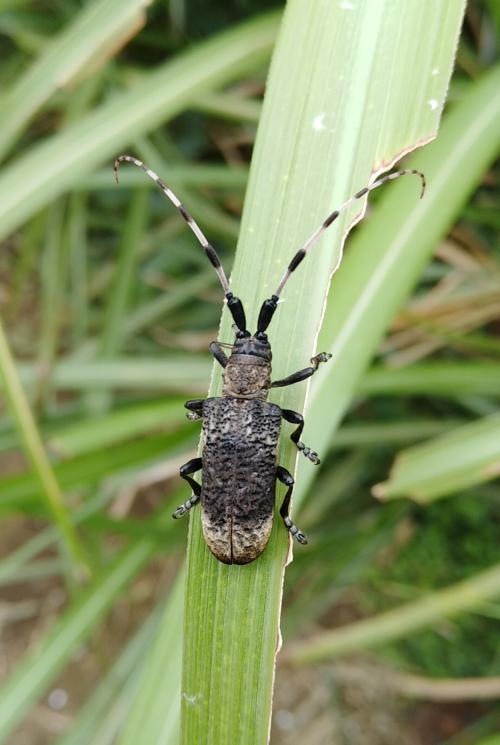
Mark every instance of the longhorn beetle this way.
pixel 241 428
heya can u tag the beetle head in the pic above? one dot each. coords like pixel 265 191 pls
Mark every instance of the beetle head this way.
pixel 248 371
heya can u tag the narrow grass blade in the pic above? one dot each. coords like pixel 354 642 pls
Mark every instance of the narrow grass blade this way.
pixel 54 166
pixel 447 379
pixel 33 447
pixel 22 491
pixel 456 460
pixel 100 27
pixel 98 721
pixel 117 426
pixel 400 622
pixel 154 718
pixel 42 665
pixel 230 107
pixel 152 311
pixel 362 82
pixel 78 266
pixel 112 333
pixel 373 434
pixel 184 374
pixel 53 273
pixel 16 562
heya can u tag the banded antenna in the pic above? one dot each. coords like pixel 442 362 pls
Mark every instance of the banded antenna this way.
pixel 234 303
pixel 270 305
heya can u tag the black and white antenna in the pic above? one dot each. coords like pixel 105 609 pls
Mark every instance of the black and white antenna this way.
pixel 270 305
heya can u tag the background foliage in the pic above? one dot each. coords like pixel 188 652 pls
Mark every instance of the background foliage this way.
pixel 109 331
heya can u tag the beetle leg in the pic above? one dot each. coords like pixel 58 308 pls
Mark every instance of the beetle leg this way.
pixel 195 407
pixel 286 478
pixel 190 467
pixel 302 374
pixel 217 352
pixel 295 418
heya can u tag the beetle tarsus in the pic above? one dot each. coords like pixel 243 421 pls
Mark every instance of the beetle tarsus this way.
pixel 321 357
pixel 301 537
pixel 185 506
pixel 300 375
pixel 311 455
pixel 294 531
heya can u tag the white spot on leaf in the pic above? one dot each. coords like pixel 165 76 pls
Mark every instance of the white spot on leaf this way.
pixel 346 5
pixel 318 122
pixel 190 698
pixel 435 71
pixel 433 104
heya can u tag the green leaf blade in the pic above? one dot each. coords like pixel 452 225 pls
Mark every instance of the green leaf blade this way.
pixel 318 142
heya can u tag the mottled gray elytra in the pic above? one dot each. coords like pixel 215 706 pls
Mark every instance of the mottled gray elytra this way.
pixel 241 428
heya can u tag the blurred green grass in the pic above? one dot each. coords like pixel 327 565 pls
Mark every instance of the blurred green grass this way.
pixel 108 329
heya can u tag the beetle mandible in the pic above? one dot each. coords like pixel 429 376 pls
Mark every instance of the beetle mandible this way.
pixel 241 428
